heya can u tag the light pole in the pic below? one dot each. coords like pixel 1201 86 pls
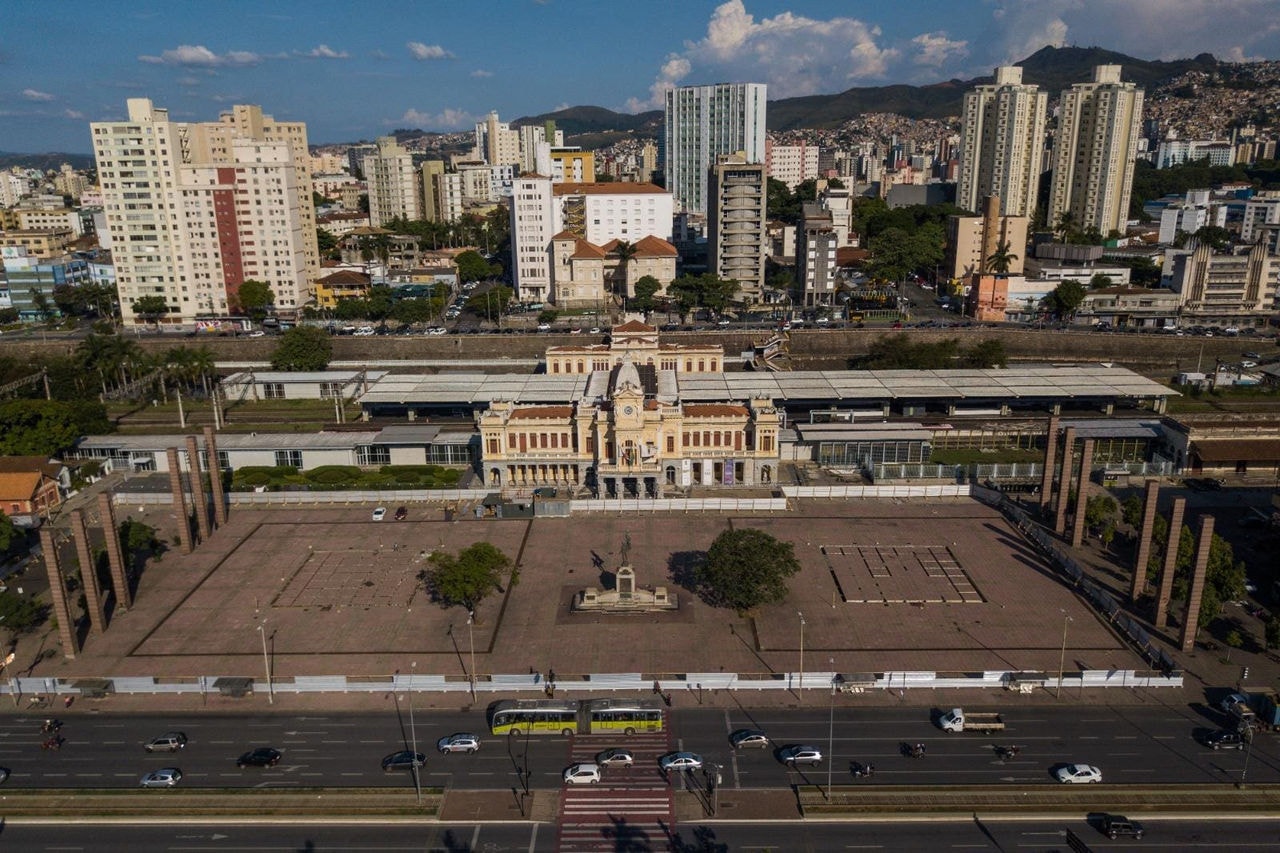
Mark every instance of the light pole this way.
pixel 471 642
pixel 800 683
pixel 1062 656
pixel 831 726
pixel 266 662
pixel 413 736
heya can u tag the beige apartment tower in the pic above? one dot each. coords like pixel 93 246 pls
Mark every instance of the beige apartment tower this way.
pixel 1099 125
pixel 736 236
pixel 1002 144
pixel 393 183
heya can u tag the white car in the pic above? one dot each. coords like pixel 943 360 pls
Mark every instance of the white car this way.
pixel 586 773
pixel 544 327
pixel 1078 774
pixel 680 761
pixel 166 777
pixel 459 742
pixel 379 513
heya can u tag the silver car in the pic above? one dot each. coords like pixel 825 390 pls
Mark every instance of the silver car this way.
pixel 166 777
pixel 794 755
pixel 167 742
pixel 458 742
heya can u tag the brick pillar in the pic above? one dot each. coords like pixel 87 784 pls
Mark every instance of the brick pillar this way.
pixel 1050 459
pixel 197 488
pixel 215 478
pixel 1144 541
pixel 115 557
pixel 179 500
pixel 1170 561
pixel 88 573
pixel 1064 481
pixel 1082 492
pixel 58 594
pixel 1192 623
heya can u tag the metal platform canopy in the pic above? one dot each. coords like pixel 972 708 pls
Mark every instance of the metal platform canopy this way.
pixel 844 445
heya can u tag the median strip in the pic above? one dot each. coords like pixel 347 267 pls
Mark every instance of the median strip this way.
pixel 220 802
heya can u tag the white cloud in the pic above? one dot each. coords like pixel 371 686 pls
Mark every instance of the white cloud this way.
pixel 379 54
pixel 323 51
pixel 480 72
pixel 427 51
pixel 793 54
pixel 35 95
pixel 445 120
pixel 936 49
pixel 75 114
pixel 201 56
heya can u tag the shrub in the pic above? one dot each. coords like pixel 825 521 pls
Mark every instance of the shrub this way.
pixel 334 475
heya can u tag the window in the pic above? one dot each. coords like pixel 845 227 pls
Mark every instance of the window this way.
pixel 330 390
pixel 373 454
pixel 289 458
pixel 273 390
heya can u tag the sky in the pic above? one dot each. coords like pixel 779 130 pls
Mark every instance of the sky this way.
pixel 357 69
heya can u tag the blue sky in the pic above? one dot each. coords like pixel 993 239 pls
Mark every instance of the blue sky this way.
pixel 359 68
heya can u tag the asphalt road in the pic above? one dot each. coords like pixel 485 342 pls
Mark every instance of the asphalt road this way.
pixel 979 835
pixel 1132 745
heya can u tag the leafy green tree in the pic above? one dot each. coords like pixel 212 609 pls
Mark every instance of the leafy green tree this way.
pixel 1271 636
pixel 378 304
pixel 709 291
pixel 1234 641
pixel 473 267
pixel 899 352
pixel 1131 510
pixel 1215 236
pixel 780 203
pixel 48 427
pixel 1099 509
pixel 1108 533
pixel 8 534
pixel 547 315
pixel 1143 272
pixel 303 348
pixel 138 541
pixel 745 568
pixel 19 615
pixel 327 244
pixel 646 286
pixel 415 310
pixel 491 303
pixel 255 298
pixel 1064 299
pixel 984 355
pixel 1099 281
pixel 466 578
pixel 150 308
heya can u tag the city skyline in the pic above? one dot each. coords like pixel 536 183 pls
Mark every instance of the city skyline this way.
pixel 423 66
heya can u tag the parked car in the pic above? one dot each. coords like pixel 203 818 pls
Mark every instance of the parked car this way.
pixel 4 775
pixel 1224 739
pixel 402 513
pixel 1078 774
pixel 615 758
pixel 263 756
pixel 458 742
pixel 405 759
pixel 805 754
pixel 167 742
pixel 585 773
pixel 1116 825
pixel 748 739
pixel 680 761
pixel 379 513
pixel 165 777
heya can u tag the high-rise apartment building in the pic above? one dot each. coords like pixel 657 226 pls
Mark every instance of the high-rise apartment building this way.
pixel 703 123
pixel 393 183
pixel 1099 125
pixel 496 143
pixel 816 242
pixel 195 209
pixel 1002 144
pixel 792 164
pixel 736 237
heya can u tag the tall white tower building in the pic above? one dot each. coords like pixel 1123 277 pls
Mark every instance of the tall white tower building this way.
pixel 1002 144
pixel 195 209
pixel 1099 126
pixel 703 123
pixel 393 183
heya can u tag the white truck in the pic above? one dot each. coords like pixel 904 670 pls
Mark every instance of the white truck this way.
pixel 956 720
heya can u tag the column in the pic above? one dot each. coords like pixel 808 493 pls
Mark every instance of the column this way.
pixel 1082 492
pixel 1050 458
pixel 88 574
pixel 115 557
pixel 1203 543
pixel 1064 482
pixel 1170 562
pixel 179 500
pixel 197 488
pixel 1144 541
pixel 215 477
pixel 58 594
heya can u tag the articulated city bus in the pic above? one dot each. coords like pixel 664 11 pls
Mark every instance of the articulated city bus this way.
pixel 568 716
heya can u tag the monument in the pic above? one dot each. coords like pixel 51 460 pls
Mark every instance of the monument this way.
pixel 625 597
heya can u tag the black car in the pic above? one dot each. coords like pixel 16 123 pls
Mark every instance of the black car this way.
pixel 1116 825
pixel 263 756
pixel 1224 739
pixel 403 760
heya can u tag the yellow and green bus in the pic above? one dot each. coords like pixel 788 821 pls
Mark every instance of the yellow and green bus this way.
pixel 567 716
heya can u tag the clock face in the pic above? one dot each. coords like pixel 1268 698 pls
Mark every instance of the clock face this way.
pixel 627 410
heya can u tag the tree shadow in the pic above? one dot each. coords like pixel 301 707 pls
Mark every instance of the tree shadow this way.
pixel 684 568
pixel 625 837
pixel 703 841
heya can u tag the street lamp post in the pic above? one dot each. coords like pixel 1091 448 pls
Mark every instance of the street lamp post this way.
pixel 831 726
pixel 266 662
pixel 800 682
pixel 1062 656
pixel 471 642
pixel 413 736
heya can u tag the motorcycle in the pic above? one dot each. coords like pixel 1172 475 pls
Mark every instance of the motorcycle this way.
pixel 51 727
pixel 1004 752
pixel 54 743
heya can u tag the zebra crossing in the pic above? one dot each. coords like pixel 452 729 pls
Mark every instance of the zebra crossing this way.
pixel 630 808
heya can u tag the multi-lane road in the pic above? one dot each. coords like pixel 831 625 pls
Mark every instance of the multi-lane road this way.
pixel 1147 744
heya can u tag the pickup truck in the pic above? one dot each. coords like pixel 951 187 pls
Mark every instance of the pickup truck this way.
pixel 956 720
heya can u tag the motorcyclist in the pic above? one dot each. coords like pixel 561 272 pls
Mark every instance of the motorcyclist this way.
pixel 918 750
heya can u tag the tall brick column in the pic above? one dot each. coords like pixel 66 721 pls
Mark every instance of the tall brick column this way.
pixel 179 500
pixel 58 594
pixel 1192 623
pixel 1082 492
pixel 1144 540
pixel 215 477
pixel 1064 481
pixel 1170 563
pixel 197 488
pixel 115 557
pixel 88 573
pixel 1050 459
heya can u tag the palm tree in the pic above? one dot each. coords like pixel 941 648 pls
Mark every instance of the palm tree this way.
pixel 625 251
pixel 1001 259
